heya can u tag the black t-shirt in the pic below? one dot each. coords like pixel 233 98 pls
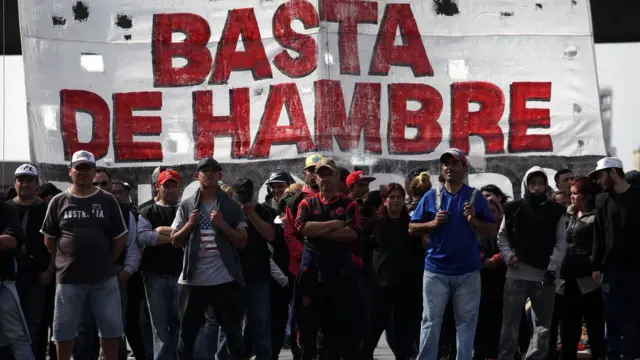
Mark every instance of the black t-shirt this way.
pixel 255 255
pixel 165 258
pixel 313 208
pixel 33 255
pixel 9 225
pixel 617 230
pixel 84 229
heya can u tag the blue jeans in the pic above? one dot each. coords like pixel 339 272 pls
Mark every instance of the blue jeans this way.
pixel 464 291
pixel 162 300
pixel 257 328
pixel 13 327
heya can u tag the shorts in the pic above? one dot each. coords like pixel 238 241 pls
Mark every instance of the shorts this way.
pixel 103 300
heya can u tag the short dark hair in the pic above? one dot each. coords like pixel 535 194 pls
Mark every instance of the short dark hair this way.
pixel 104 171
pixel 48 189
pixel 556 177
pixel 495 190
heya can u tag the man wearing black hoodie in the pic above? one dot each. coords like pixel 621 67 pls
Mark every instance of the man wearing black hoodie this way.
pixel 532 243
pixel 616 256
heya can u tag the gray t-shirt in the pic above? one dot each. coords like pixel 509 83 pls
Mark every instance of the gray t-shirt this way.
pixel 210 269
pixel 84 228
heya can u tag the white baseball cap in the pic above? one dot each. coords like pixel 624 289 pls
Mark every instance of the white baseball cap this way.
pixel 26 169
pixel 607 163
pixel 82 157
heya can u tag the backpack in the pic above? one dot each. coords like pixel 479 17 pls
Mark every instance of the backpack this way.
pixel 471 200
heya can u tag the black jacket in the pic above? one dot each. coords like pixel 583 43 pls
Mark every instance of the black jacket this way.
pixel 532 230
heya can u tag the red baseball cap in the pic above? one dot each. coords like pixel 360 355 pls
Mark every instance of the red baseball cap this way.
pixel 169 175
pixel 356 176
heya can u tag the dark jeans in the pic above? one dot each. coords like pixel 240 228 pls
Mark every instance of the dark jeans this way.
pixel 323 301
pixel 227 301
pixel 487 340
pixel 622 313
pixel 573 306
pixel 398 307
pixel 33 301
pixel 257 326
pixel 280 298
pixel 133 328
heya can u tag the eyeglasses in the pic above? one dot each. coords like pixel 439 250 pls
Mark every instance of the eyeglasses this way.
pixel 101 183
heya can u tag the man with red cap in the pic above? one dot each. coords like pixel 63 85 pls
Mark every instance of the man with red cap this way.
pixel 358 184
pixel 161 264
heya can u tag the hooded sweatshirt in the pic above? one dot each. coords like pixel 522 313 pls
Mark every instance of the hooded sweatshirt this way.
pixel 533 229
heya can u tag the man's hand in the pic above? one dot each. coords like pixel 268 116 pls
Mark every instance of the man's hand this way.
pixel 194 218
pixel 45 278
pixel 513 262
pixel 596 277
pixel 442 217
pixel 123 276
pixel 469 212
pixel 216 218
pixel 248 208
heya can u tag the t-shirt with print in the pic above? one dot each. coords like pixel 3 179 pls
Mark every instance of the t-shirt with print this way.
pixel 453 248
pixel 84 229
pixel 210 269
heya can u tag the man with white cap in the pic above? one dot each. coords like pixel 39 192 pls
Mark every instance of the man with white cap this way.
pixel 85 233
pixel 33 256
pixel 452 215
pixel 616 255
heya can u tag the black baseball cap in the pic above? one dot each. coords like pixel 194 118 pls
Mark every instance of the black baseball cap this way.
pixel 209 162
pixel 344 173
pixel 279 176
pixel 243 190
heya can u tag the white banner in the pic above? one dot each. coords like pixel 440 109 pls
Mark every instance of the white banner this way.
pixel 150 82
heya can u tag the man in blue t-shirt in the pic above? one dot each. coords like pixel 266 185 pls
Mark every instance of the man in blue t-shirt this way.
pixel 451 214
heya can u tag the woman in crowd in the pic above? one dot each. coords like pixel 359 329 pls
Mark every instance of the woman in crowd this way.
pixel 397 262
pixel 578 296
pixel 493 277
pixel 418 186
pixel 492 191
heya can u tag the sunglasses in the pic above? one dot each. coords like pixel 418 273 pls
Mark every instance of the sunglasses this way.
pixel 101 183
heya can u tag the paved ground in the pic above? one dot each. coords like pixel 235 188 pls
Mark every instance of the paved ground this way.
pixel 382 352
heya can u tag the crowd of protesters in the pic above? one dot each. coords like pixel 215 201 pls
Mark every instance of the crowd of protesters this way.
pixel 322 268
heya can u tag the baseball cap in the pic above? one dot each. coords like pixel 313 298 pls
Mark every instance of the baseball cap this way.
pixel 607 163
pixel 279 176
pixel 156 173
pixel 312 160
pixel 327 163
pixel 26 169
pixel 169 175
pixel 344 173
pixel 243 190
pixel 456 154
pixel 209 162
pixel 356 176
pixel 83 157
